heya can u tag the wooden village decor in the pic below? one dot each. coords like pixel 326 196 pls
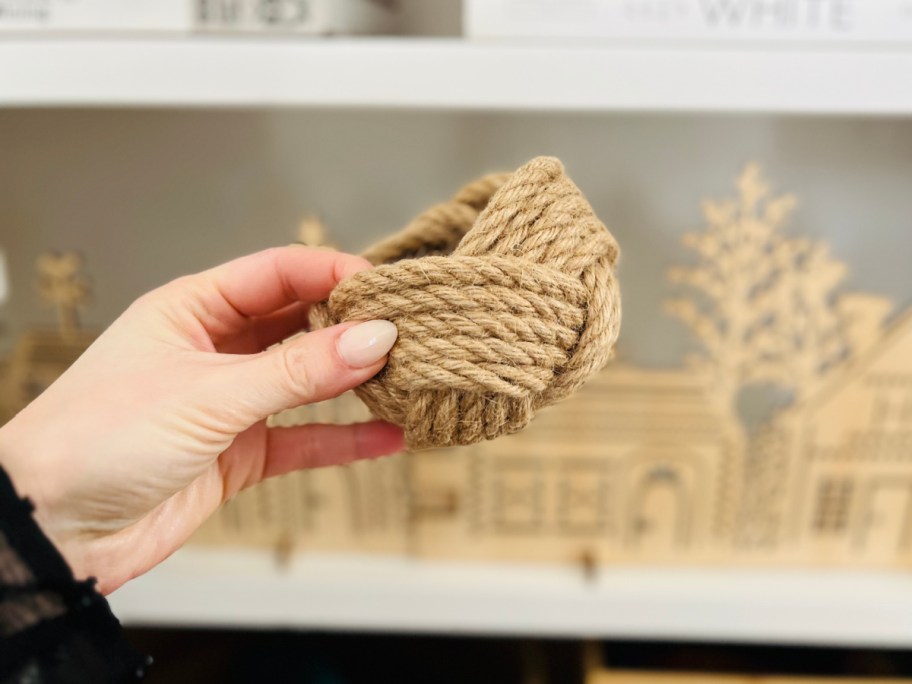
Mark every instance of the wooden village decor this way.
pixel 41 355
pixel 641 465
pixel 646 465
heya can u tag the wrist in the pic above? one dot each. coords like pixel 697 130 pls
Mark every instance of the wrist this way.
pixel 16 464
pixel 22 461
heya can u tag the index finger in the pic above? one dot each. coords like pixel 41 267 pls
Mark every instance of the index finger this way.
pixel 258 284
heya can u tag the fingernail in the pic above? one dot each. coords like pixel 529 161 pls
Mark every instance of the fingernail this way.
pixel 367 343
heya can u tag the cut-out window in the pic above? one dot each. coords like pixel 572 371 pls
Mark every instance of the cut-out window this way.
pixel 582 498
pixel 518 496
pixel 834 499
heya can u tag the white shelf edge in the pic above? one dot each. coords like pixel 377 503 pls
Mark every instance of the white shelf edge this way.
pixel 451 74
pixel 209 587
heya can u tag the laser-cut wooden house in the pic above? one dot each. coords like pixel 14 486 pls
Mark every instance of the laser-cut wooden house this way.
pixel 639 464
pixel 842 462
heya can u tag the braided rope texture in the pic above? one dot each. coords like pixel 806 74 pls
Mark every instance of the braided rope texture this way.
pixel 506 301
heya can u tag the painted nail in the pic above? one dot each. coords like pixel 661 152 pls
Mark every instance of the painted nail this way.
pixel 367 343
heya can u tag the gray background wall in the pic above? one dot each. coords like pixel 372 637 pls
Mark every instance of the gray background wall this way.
pixel 150 195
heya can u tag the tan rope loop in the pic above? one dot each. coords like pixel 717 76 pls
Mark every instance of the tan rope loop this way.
pixel 434 284
pixel 505 299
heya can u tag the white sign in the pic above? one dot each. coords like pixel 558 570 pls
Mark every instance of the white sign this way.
pixel 798 20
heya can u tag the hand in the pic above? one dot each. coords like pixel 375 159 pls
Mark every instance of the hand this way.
pixel 163 418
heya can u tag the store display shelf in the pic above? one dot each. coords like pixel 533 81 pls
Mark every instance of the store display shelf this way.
pixel 219 587
pixel 451 74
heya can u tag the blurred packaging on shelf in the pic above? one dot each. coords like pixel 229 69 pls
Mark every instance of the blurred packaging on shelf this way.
pixel 598 668
pixel 814 21
pixel 95 15
pixel 297 17
pixel 305 17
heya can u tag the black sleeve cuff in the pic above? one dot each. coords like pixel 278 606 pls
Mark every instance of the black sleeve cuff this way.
pixel 52 628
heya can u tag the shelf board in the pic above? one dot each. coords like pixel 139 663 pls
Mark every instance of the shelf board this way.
pixel 451 74
pixel 220 587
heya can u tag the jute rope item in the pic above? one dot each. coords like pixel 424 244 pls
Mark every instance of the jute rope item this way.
pixel 505 299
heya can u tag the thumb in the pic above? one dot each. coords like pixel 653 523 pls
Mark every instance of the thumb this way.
pixel 316 366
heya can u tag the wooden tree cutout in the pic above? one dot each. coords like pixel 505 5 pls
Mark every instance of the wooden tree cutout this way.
pixel 312 232
pixel 734 279
pixel 63 285
pixel 765 309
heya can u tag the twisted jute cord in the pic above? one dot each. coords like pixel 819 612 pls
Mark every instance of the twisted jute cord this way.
pixel 505 299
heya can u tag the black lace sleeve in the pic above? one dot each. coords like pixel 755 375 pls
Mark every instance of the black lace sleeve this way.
pixel 53 629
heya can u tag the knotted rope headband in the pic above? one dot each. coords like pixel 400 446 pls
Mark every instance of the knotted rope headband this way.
pixel 505 299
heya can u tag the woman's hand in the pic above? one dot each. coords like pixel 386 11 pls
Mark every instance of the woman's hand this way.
pixel 163 418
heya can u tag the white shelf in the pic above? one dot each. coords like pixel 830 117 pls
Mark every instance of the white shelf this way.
pixel 233 588
pixel 452 74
